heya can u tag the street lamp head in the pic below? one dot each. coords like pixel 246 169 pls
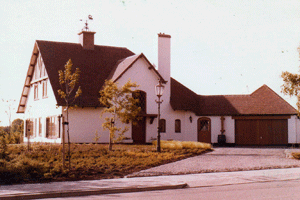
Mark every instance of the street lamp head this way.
pixel 159 89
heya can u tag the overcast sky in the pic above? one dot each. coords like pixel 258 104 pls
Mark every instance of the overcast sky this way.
pixel 217 47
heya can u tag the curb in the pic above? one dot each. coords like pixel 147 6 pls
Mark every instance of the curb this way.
pixel 73 193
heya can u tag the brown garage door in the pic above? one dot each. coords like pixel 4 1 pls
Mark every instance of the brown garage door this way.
pixel 261 131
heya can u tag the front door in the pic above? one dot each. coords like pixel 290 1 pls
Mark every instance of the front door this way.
pixel 139 131
pixel 204 130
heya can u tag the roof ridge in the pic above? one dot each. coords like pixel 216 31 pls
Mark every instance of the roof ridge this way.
pixel 224 95
pixel 268 88
pixel 261 87
pixel 79 44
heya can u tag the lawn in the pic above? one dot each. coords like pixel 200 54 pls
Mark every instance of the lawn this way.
pixel 88 161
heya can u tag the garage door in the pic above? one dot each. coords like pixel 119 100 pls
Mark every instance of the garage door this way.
pixel 261 131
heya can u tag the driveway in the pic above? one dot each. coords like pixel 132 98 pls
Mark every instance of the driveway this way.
pixel 227 159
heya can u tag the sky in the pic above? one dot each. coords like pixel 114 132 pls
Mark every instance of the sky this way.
pixel 217 47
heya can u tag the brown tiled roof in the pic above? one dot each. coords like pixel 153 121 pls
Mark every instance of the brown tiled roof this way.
pixel 95 66
pixel 183 98
pixel 263 101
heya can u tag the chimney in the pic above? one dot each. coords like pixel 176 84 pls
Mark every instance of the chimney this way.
pixel 164 55
pixel 86 39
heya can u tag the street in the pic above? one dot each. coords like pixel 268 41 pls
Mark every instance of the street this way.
pixel 262 190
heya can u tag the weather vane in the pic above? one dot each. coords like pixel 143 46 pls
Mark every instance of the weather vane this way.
pixel 86 27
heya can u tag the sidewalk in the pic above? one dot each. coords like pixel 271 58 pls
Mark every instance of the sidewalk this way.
pixel 122 185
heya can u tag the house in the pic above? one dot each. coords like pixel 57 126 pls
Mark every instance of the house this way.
pixel 260 118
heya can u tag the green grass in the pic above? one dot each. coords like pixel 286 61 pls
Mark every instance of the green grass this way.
pixel 89 161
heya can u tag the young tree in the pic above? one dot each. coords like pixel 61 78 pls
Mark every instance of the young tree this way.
pixel 68 81
pixel 121 106
pixel 17 129
pixel 291 86
pixel 10 106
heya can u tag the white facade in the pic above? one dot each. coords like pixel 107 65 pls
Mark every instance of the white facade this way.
pixel 85 122
pixel 293 130
pixel 40 106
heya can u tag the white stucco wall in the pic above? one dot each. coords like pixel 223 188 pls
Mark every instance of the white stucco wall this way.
pixel 216 128
pixel 147 79
pixel 141 74
pixel 84 123
pixel 41 108
pixel 293 130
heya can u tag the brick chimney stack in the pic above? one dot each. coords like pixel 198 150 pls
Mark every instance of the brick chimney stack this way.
pixel 86 39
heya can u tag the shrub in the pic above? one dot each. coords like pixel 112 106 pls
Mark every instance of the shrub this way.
pixel 183 145
pixel 43 162
pixel 21 169
pixel 3 145
pixel 296 155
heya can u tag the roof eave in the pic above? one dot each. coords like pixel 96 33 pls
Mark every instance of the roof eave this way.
pixel 151 67
pixel 26 87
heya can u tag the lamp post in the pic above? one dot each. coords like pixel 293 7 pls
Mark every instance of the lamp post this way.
pixel 159 89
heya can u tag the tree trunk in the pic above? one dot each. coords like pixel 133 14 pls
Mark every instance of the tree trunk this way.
pixel 63 144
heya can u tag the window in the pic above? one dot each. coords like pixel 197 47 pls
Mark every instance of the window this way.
pixel 177 126
pixel 204 125
pixel 44 83
pixel 162 125
pixel 52 126
pixel 40 126
pixel 35 127
pixel 141 96
pixel 39 69
pixel 36 91
pixel 29 128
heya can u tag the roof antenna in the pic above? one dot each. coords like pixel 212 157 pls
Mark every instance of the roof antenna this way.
pixel 86 27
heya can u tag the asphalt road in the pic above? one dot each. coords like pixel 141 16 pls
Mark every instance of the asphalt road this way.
pixel 266 190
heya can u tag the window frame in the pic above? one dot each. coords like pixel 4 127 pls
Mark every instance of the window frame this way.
pixel 52 127
pixel 44 88
pixel 177 126
pixel 142 97
pixel 29 127
pixel 40 127
pixel 36 91
pixel 162 125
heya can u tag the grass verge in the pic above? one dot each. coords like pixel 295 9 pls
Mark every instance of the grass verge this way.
pixel 89 161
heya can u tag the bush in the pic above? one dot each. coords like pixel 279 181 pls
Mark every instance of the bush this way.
pixel 183 145
pixel 44 161
pixel 21 169
pixel 296 155
pixel 3 145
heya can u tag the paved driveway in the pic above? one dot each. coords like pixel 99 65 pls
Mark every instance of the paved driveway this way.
pixel 228 159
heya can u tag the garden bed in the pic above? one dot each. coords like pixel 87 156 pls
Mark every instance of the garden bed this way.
pixel 88 161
